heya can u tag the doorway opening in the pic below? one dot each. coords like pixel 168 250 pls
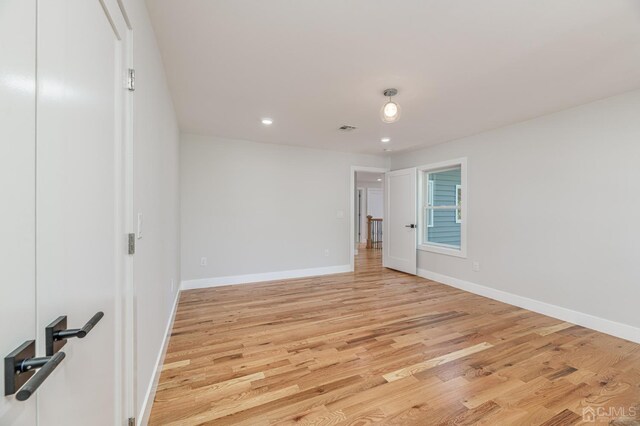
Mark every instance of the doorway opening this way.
pixel 368 217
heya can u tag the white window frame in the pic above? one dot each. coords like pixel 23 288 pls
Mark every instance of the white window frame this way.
pixel 435 247
pixel 458 196
pixel 430 202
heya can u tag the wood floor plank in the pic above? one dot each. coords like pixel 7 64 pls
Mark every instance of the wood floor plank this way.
pixel 381 347
pixel 425 365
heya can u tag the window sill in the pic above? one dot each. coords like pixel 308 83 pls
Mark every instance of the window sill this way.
pixel 448 251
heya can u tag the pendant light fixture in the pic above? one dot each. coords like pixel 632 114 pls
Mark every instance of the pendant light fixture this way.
pixel 390 112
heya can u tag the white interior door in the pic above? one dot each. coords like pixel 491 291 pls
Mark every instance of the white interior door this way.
pixel 17 191
pixel 80 239
pixel 400 220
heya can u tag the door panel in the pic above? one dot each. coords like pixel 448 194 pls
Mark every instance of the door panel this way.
pixel 400 214
pixel 79 246
pixel 17 193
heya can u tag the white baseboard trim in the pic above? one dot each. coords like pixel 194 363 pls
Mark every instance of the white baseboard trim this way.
pixel 267 276
pixel 147 404
pixel 613 328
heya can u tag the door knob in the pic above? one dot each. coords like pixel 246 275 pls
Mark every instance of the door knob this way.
pixel 20 370
pixel 56 333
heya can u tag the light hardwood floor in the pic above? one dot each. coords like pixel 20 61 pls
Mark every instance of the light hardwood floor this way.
pixel 383 347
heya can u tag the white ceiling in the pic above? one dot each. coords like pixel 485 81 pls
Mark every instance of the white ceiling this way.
pixel 461 66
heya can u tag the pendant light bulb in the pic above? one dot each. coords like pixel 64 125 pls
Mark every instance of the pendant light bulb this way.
pixel 390 112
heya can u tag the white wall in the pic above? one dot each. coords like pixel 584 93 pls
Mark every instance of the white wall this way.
pixel 156 151
pixel 553 208
pixel 248 206
pixel 366 184
pixel 375 203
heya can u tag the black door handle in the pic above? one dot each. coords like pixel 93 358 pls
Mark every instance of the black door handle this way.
pixel 56 333
pixel 20 370
pixel 410 226
pixel 89 325
pixel 46 365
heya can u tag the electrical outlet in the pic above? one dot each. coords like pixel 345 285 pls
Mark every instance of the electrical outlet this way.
pixel 203 261
pixel 476 266
pixel 326 252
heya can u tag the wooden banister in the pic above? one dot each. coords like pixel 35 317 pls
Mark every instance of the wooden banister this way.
pixel 374 232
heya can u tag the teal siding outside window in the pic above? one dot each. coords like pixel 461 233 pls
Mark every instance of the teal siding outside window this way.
pixel 443 225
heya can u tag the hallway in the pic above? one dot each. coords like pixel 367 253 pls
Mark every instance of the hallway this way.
pixel 382 346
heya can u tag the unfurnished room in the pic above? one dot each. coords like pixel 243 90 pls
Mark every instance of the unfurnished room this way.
pixel 339 212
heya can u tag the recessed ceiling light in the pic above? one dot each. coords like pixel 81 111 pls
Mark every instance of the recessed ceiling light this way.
pixel 379 180
pixel 385 140
pixel 267 121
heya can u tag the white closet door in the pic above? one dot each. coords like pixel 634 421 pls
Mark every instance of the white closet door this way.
pixel 17 191
pixel 400 221
pixel 80 240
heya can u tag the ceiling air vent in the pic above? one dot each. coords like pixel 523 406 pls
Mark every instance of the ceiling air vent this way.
pixel 347 128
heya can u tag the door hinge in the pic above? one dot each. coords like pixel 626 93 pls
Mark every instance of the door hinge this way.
pixel 132 243
pixel 131 79
pixel 132 421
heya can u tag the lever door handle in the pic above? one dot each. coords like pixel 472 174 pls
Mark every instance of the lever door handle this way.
pixel 20 370
pixel 46 365
pixel 56 333
pixel 412 226
pixel 90 324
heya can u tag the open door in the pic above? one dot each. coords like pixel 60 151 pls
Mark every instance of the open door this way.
pixel 400 221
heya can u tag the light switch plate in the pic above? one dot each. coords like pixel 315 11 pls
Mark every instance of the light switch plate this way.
pixel 139 228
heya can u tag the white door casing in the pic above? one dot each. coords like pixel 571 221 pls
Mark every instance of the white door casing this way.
pixel 361 217
pixel 17 191
pixel 400 232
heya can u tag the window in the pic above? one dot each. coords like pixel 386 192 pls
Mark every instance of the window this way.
pixel 442 208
